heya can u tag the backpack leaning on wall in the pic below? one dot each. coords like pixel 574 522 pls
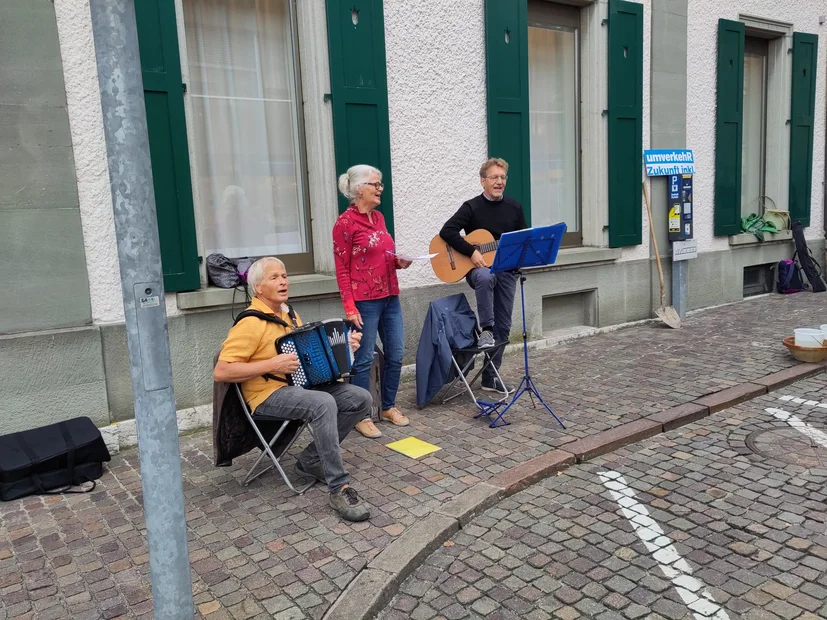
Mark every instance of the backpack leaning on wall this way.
pixel 789 277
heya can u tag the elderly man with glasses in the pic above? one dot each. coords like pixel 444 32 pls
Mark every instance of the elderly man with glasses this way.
pixel 498 214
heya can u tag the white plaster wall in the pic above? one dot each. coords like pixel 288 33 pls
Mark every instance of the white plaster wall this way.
pixel 701 90
pixel 436 102
pixel 77 49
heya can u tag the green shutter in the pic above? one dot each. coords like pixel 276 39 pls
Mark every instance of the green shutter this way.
pixel 359 87
pixel 805 57
pixel 163 92
pixel 729 127
pixel 506 66
pixel 625 113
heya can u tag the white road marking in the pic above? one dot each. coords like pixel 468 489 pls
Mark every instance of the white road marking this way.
pixel 801 401
pixel 798 424
pixel 691 590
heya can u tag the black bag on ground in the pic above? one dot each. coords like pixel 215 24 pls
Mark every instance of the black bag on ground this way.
pixel 805 258
pixel 377 368
pixel 51 459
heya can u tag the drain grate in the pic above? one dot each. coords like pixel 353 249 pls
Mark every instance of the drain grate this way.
pixel 788 445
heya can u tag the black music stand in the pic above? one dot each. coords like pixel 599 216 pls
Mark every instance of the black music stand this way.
pixel 532 247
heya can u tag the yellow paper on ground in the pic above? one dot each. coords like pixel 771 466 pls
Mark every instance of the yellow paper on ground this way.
pixel 413 447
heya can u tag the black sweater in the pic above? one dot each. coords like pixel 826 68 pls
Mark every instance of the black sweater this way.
pixel 495 216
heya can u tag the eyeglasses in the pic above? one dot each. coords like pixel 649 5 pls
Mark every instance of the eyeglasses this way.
pixel 498 178
pixel 378 185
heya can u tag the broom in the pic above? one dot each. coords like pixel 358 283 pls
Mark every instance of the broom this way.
pixel 665 313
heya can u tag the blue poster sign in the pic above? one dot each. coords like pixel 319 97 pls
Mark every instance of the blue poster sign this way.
pixel 667 162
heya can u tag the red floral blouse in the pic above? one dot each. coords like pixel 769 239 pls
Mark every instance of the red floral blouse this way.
pixel 365 261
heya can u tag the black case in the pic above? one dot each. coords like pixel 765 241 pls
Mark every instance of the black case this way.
pixel 51 459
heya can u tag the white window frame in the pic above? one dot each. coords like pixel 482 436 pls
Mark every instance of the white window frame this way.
pixel 316 130
pixel 779 85
pixel 574 239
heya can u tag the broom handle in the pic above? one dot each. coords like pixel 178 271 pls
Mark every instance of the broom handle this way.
pixel 654 240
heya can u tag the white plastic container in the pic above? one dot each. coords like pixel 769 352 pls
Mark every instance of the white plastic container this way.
pixel 808 337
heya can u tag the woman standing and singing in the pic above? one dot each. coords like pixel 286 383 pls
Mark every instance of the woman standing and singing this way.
pixel 366 267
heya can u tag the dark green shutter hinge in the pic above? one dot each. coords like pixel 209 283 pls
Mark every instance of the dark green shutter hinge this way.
pixel 604 113
pixel 605 228
pixel 200 260
pixel 184 87
pixel 604 21
pixel 327 97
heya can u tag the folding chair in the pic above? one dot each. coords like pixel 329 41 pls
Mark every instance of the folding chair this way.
pixel 472 352
pixel 288 430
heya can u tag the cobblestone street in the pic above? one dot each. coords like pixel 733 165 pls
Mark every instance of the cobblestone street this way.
pixel 750 527
pixel 558 549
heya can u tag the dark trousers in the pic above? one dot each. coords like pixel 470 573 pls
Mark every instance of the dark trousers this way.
pixel 495 302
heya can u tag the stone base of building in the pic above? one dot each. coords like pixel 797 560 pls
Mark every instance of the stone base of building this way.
pixel 59 374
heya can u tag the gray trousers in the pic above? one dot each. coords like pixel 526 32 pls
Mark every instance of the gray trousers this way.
pixel 331 411
pixel 495 302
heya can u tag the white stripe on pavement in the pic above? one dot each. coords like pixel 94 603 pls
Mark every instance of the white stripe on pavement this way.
pixel 799 425
pixel 801 401
pixel 691 590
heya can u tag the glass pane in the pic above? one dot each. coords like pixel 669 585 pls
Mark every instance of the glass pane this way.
pixel 248 165
pixel 752 161
pixel 553 114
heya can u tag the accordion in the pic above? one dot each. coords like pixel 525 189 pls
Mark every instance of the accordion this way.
pixel 323 352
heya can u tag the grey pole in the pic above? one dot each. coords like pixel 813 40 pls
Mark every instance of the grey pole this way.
pixel 679 268
pixel 130 176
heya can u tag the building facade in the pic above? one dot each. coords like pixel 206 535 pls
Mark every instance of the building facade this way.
pixel 255 106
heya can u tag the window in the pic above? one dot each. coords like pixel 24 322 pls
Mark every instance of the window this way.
pixel 249 161
pixel 554 114
pixel 753 149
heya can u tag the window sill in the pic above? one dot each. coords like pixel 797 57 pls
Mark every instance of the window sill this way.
pixel 569 257
pixel 747 239
pixel 310 285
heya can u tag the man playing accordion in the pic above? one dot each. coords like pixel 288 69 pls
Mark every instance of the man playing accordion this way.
pixel 249 353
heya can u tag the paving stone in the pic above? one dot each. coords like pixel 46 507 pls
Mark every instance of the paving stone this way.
pixel 675 417
pixel 248 544
pixel 731 396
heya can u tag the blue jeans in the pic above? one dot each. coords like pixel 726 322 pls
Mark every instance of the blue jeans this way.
pixel 331 411
pixel 382 317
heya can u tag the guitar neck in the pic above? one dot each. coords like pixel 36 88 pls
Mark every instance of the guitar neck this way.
pixel 484 248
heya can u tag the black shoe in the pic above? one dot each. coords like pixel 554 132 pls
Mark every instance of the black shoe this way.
pixel 311 471
pixel 347 503
pixel 496 386
pixel 485 340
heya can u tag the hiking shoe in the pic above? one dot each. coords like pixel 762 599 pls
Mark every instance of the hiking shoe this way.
pixel 311 471
pixel 395 417
pixel 347 503
pixel 368 429
pixel 497 386
pixel 485 340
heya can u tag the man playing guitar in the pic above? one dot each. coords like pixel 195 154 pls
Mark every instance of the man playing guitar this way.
pixel 498 214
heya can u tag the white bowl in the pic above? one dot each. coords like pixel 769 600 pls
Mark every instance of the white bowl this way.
pixel 808 337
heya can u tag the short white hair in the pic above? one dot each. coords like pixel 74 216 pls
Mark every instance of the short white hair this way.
pixel 356 177
pixel 255 274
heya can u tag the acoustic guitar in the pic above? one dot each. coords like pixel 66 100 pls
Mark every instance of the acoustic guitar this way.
pixel 450 265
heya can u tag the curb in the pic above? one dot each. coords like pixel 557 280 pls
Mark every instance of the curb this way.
pixel 374 587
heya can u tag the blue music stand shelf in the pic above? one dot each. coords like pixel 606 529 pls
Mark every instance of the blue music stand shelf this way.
pixel 533 247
